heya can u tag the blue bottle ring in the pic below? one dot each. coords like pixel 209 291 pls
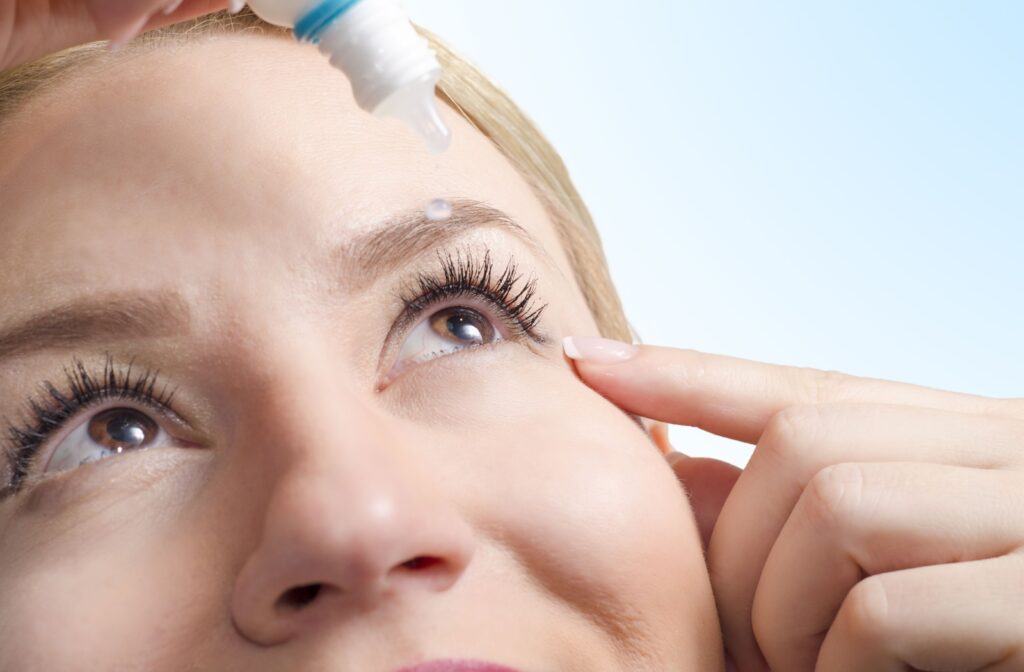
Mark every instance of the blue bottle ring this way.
pixel 315 22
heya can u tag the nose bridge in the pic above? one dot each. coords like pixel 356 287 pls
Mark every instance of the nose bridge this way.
pixel 337 477
pixel 349 518
pixel 306 396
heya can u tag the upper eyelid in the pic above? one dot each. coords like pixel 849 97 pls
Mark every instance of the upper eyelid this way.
pixel 508 287
pixel 408 320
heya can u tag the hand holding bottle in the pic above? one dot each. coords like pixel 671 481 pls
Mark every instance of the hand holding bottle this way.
pixel 391 67
pixel 30 29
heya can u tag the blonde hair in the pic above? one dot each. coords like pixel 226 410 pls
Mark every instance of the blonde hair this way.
pixel 465 88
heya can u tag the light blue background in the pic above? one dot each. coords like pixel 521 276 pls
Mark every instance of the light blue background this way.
pixel 836 185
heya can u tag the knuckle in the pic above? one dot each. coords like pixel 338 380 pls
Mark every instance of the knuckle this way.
pixel 834 496
pixel 791 431
pixel 822 386
pixel 866 613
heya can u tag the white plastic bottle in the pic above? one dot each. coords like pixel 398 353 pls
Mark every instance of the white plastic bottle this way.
pixel 392 68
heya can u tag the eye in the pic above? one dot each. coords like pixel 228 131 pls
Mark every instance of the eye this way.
pixel 443 332
pixel 110 432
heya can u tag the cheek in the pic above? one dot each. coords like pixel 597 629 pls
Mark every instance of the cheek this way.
pixel 118 589
pixel 586 502
pixel 82 606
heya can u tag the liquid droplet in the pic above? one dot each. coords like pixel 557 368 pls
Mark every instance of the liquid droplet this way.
pixel 438 210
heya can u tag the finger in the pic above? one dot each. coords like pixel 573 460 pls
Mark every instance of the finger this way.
pixel 67 24
pixel 112 18
pixel 188 9
pixel 964 616
pixel 858 519
pixel 734 397
pixel 119 20
pixel 708 483
pixel 801 441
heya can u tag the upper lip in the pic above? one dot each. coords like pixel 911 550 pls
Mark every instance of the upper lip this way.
pixel 457 666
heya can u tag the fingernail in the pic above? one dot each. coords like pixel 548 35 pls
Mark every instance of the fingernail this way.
pixel 129 34
pixel 171 6
pixel 235 6
pixel 598 350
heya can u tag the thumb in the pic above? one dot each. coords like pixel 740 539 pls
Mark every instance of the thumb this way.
pixel 709 482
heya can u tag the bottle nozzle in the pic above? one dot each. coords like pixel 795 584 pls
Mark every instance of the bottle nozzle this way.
pixel 416 105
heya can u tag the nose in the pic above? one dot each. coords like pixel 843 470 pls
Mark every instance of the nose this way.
pixel 348 525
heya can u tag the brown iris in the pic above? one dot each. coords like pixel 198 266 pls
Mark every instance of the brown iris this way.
pixel 463 326
pixel 122 429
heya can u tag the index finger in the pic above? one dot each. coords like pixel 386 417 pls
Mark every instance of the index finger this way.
pixel 736 398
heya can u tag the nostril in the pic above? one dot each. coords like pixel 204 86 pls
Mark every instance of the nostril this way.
pixel 298 597
pixel 421 562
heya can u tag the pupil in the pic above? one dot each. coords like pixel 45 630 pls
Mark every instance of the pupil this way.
pixel 122 429
pixel 125 430
pixel 464 328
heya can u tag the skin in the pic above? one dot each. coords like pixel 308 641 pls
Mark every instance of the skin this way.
pixel 230 171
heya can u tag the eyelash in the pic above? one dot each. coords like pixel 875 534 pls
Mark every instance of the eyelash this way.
pixel 461 276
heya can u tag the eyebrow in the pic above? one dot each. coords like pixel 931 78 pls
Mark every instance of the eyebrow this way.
pixel 107 317
pixel 369 256
pixel 412 233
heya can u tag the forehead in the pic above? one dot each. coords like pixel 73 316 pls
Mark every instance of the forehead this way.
pixel 236 135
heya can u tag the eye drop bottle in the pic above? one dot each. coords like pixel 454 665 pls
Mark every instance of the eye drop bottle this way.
pixel 391 67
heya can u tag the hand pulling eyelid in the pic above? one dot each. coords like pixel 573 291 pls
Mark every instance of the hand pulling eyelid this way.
pixel 391 67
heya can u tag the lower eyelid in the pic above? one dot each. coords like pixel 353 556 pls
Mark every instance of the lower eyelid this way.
pixel 125 475
pixel 391 376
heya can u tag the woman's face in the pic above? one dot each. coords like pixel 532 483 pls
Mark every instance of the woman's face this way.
pixel 337 435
